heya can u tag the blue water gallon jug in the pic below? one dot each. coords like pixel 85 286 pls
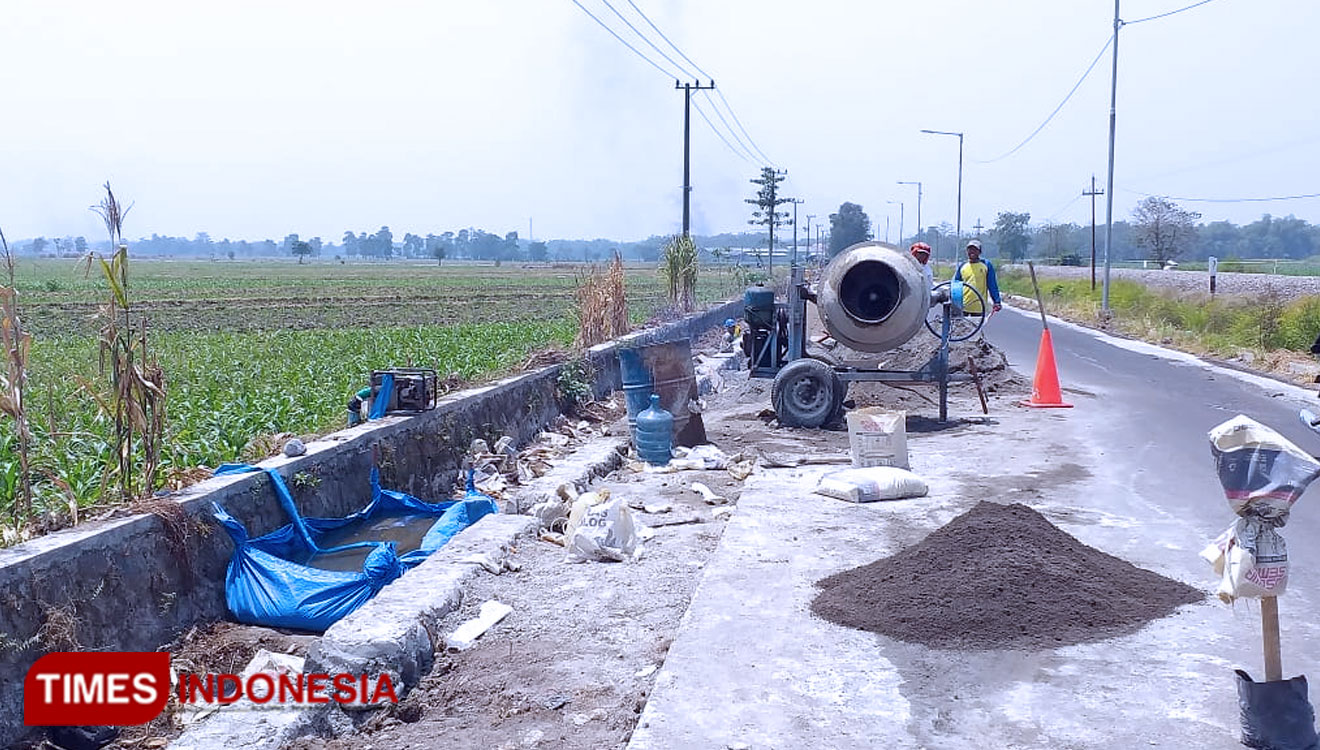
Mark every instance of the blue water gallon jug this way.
pixel 654 434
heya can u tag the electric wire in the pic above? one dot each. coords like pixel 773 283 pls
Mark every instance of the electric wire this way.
pixel 1056 214
pixel 718 92
pixel 715 130
pixel 646 39
pixel 706 93
pixel 1227 200
pixel 658 67
pixel 623 41
pixel 1035 132
pixel 1165 15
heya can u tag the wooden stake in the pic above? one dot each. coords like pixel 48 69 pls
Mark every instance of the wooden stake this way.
pixel 1269 627
pixel 1040 304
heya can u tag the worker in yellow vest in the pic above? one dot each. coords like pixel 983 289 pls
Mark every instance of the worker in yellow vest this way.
pixel 981 275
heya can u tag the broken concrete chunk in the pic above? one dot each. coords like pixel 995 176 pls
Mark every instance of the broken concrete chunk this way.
pixel 467 634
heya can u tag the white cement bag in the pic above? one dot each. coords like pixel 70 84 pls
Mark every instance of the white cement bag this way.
pixel 1250 558
pixel 1262 473
pixel 872 483
pixel 600 528
pixel 878 437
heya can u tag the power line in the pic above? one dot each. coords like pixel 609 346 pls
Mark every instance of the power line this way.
pixel 667 40
pixel 668 74
pixel 714 129
pixel 624 42
pixel 1165 15
pixel 744 130
pixel 1077 85
pixel 1227 200
pixel 647 39
pixel 732 132
pixel 718 92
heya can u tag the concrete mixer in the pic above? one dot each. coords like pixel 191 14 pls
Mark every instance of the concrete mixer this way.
pixel 872 297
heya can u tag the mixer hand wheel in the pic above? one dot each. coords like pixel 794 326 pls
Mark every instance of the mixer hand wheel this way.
pixel 962 325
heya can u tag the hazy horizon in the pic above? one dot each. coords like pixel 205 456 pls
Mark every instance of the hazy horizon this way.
pixel 251 121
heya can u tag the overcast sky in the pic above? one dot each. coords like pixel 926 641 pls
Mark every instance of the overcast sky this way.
pixel 251 119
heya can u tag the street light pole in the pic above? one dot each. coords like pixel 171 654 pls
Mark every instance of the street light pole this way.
pixel 900 221
pixel 960 171
pixel 1109 187
pixel 918 184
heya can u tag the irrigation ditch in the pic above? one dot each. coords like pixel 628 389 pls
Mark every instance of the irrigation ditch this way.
pixel 136 582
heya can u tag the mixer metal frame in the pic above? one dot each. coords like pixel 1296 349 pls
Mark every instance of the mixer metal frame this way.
pixel 769 360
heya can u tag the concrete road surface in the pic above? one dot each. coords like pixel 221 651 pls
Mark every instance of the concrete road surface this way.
pixel 1127 470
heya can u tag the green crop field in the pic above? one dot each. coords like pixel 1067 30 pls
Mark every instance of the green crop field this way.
pixel 257 348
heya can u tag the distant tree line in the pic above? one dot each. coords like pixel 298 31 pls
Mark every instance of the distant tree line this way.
pixel 464 244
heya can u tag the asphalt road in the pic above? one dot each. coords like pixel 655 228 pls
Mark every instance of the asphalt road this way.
pixel 1148 411
pixel 1127 471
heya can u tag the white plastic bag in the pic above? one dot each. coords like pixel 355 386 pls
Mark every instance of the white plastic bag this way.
pixel 872 483
pixel 601 528
pixel 1250 558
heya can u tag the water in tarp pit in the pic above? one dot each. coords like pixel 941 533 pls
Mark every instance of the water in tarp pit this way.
pixel 405 531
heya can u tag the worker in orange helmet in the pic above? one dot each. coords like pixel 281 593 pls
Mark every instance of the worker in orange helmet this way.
pixel 921 251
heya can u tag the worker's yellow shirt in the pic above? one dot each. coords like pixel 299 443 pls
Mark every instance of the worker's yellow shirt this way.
pixel 975 274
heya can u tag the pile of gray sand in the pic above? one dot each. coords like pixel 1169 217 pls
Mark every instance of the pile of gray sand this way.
pixel 999 577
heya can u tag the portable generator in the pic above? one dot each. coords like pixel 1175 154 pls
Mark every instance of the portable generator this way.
pixel 404 389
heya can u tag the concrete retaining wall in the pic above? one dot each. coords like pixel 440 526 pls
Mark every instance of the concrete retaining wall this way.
pixel 134 583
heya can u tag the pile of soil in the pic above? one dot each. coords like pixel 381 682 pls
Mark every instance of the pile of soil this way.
pixel 996 577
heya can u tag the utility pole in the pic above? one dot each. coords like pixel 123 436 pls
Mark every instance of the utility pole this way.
pixel 886 226
pixel 978 227
pixel 1109 187
pixel 901 209
pixel 687 89
pixel 1093 193
pixel 960 170
pixel 918 184
pixel 795 202
pixel 809 218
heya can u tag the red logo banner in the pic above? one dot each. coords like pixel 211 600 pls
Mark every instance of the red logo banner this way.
pixel 111 688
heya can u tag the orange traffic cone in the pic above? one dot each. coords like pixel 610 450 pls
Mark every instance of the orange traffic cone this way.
pixel 1045 387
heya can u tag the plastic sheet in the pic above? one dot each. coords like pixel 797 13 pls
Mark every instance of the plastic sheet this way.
pixel 269 581
pixel 1276 715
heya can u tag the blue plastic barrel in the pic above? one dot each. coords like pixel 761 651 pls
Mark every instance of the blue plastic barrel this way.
pixel 654 434
pixel 664 370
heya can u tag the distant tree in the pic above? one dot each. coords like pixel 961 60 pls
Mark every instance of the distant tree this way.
pixel 315 244
pixel 62 246
pixel 39 244
pixel 412 245
pixel 80 245
pixel 384 243
pixel 848 227
pixel 509 249
pixel 1163 229
pixel 300 249
pixel 767 202
pixel 537 251
pixel 1056 237
pixel 439 251
pixel 202 239
pixel 351 247
pixel 1011 234
pixel 230 253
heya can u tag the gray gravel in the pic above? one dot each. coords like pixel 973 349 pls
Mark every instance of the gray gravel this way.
pixel 1237 284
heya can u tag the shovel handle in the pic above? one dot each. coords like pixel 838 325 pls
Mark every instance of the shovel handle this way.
pixel 1269 628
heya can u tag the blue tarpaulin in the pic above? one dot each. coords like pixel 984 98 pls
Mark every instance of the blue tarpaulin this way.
pixel 270 583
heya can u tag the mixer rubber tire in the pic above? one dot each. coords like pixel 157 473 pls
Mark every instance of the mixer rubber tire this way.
pixel 805 393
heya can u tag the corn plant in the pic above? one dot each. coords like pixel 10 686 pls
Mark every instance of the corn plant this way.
pixel 16 343
pixel 136 402
pixel 678 267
